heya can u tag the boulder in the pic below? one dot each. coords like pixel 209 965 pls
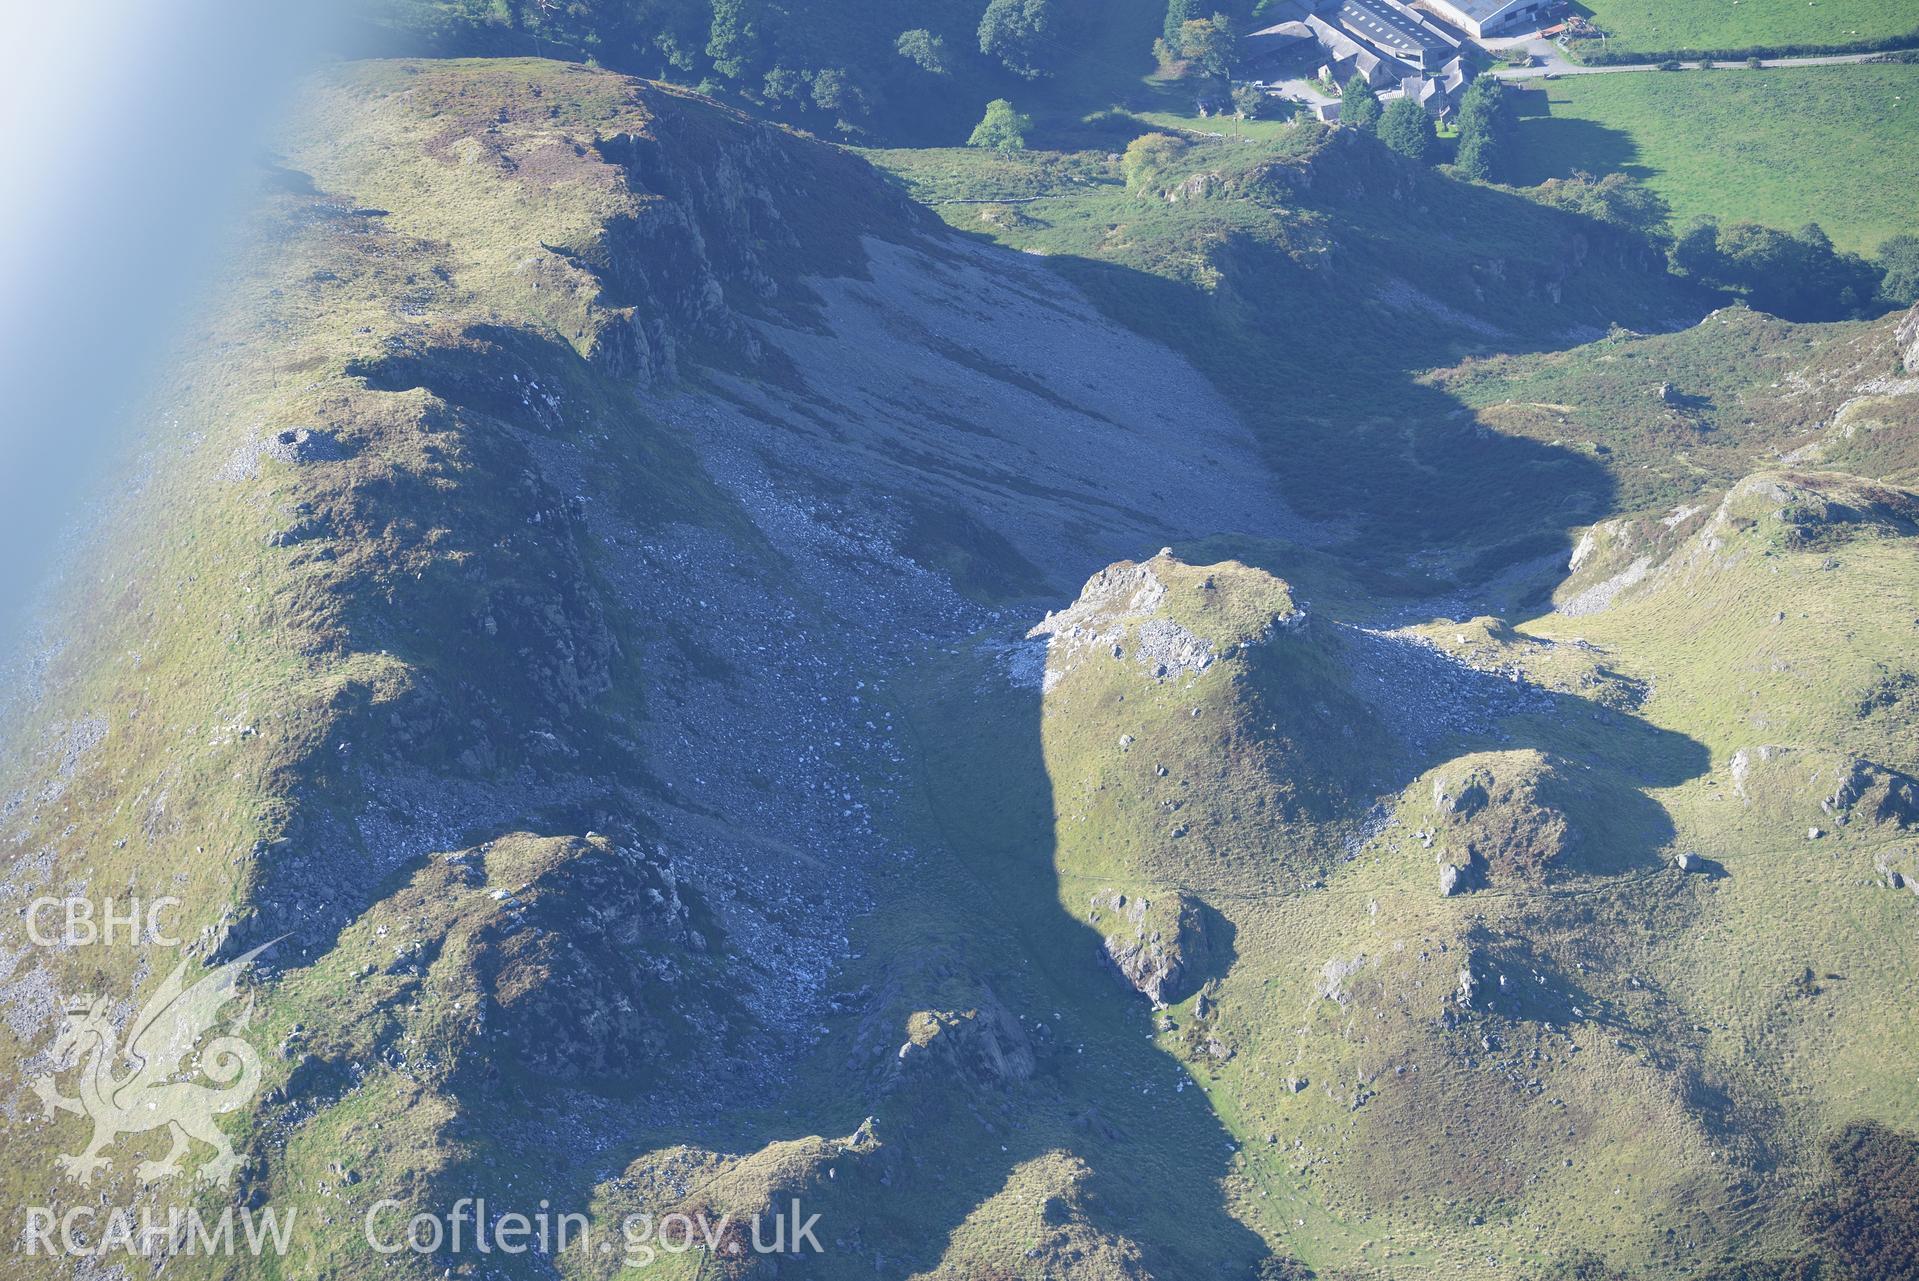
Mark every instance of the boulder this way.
pixel 1689 862
pixel 1468 985
pixel 1334 974
pixel 305 445
pixel 983 1045
pixel 1874 793
pixel 1168 950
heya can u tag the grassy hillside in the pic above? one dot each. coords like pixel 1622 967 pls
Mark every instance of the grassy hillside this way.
pixel 1676 415
pixel 362 625
pixel 1713 24
pixel 1782 147
pixel 1601 1101
pixel 604 594
pixel 431 649
pixel 1582 1053
pixel 345 575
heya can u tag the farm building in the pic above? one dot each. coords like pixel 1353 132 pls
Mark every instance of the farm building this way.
pixel 1383 42
pixel 1485 18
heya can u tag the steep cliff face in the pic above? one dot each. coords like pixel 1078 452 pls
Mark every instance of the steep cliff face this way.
pixel 499 619
pixel 1319 279
pixel 633 220
pixel 660 636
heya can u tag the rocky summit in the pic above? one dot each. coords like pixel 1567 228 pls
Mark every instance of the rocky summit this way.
pixel 689 683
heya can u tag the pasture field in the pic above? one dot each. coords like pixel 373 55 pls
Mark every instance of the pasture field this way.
pixel 1710 25
pixel 1782 146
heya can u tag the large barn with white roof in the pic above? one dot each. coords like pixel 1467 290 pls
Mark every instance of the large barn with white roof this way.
pixel 1484 18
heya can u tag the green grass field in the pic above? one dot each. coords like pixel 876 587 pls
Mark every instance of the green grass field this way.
pixel 1743 24
pixel 1779 146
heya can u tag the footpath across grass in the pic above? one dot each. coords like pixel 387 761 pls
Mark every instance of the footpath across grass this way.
pixel 1658 25
pixel 1836 145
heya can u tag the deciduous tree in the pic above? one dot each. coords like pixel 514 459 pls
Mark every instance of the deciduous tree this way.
pixel 1147 156
pixel 1209 43
pixel 926 50
pixel 1797 276
pixel 1001 128
pixel 1616 198
pixel 1019 33
pixel 734 41
pixel 1899 259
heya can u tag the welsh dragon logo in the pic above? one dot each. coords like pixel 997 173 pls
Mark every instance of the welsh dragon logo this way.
pixel 156 1087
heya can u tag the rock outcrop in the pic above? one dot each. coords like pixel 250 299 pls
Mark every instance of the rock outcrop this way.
pixel 981 1045
pixel 585 961
pixel 1162 946
pixel 1907 338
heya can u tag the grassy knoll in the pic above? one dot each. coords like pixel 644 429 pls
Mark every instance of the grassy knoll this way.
pixel 1720 416
pixel 1604 1071
pixel 1782 146
pixel 1597 1100
pixel 1741 24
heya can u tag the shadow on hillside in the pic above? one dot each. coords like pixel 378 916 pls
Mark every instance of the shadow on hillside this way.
pixel 1103 1099
pixel 506 633
pixel 1405 710
pixel 1090 1136
pixel 471 568
pixel 1400 464
pixel 1323 362
pixel 1321 337
pixel 1153 1156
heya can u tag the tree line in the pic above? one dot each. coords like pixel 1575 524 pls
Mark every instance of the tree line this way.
pixel 1799 275
pixel 863 69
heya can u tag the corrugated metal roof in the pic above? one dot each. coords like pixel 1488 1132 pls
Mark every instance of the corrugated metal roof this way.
pixel 1387 29
pixel 1477 10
